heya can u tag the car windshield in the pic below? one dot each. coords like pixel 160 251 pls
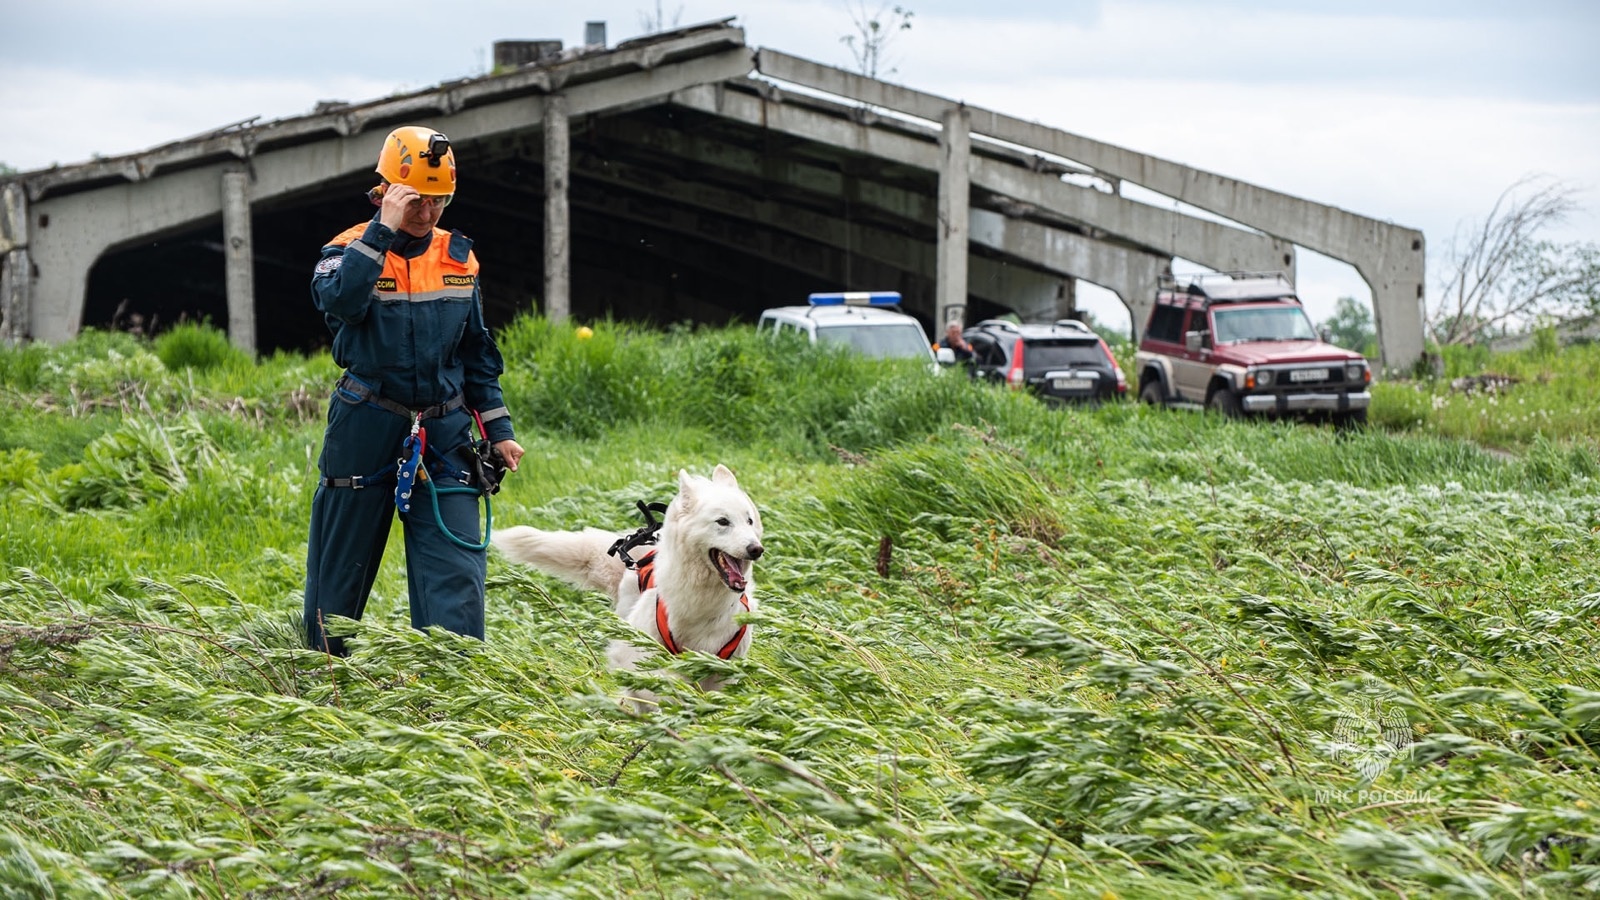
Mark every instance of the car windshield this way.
pixel 898 341
pixel 1262 323
pixel 1056 354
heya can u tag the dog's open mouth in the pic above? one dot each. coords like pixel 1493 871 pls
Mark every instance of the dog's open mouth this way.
pixel 731 570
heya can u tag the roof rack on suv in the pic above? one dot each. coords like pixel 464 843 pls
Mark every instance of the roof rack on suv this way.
pixel 1073 324
pixel 1226 287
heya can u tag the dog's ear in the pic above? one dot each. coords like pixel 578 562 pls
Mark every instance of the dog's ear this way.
pixel 685 487
pixel 724 475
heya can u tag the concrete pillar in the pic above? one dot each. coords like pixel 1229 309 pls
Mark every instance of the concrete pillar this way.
pixel 557 218
pixel 238 254
pixel 16 270
pixel 955 185
pixel 1397 300
pixel 15 296
pixel 1067 299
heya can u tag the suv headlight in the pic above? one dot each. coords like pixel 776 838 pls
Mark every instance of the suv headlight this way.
pixel 1264 378
pixel 1353 372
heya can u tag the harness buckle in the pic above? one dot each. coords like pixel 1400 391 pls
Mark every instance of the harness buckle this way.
pixel 645 534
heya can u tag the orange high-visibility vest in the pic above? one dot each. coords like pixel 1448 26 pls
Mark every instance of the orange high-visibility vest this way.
pixel 432 276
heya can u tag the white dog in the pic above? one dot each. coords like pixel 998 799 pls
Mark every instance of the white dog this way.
pixel 687 591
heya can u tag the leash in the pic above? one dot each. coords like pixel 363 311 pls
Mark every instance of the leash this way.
pixel 489 468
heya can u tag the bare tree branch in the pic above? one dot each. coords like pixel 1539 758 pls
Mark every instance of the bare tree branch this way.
pixel 875 30
pixel 1502 275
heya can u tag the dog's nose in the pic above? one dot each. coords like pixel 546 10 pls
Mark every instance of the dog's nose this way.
pixel 754 551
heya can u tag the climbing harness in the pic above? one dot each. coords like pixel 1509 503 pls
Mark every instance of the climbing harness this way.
pixel 645 572
pixel 410 471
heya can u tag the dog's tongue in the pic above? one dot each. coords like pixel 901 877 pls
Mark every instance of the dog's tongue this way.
pixel 731 575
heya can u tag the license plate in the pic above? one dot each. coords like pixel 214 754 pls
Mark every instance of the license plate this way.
pixel 1071 384
pixel 1308 375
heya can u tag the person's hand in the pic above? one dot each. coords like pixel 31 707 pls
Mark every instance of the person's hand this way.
pixel 511 451
pixel 397 198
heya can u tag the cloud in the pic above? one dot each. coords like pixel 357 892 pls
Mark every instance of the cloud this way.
pixel 85 114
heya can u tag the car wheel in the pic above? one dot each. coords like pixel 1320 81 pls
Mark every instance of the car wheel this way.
pixel 1225 402
pixel 1150 392
pixel 1355 418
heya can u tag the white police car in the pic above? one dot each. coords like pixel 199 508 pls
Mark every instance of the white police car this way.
pixel 868 322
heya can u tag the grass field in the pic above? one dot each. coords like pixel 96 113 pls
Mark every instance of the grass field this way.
pixel 1119 652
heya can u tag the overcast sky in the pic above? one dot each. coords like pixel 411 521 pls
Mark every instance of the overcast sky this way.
pixel 1415 111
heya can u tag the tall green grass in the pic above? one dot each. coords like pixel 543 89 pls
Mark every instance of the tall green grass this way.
pixel 1003 649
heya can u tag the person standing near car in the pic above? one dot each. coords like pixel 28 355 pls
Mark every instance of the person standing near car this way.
pixel 401 297
pixel 957 343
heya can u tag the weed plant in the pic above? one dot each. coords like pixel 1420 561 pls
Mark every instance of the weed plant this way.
pixel 1003 649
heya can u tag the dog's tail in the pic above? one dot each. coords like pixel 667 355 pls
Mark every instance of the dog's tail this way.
pixel 576 557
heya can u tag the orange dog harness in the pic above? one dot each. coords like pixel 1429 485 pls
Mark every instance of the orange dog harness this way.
pixel 647 580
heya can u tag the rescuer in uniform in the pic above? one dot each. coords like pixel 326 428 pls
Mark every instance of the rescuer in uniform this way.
pixel 401 298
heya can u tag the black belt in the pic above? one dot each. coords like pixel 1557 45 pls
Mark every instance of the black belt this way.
pixel 349 384
pixel 357 482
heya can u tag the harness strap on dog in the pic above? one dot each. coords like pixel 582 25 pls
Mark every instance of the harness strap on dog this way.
pixel 349 384
pixel 647 571
pixel 672 645
pixel 646 534
pixel 647 580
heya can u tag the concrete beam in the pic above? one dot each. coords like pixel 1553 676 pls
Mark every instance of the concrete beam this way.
pixel 86 224
pixel 1048 254
pixel 1145 227
pixel 1131 274
pixel 1014 286
pixel 241 140
pixel 1389 257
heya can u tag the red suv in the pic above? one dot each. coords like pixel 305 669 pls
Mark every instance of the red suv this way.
pixel 1239 343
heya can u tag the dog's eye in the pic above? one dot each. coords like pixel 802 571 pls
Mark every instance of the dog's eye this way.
pixel 723 521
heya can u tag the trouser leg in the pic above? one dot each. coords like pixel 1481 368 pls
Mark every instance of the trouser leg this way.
pixel 349 527
pixel 446 580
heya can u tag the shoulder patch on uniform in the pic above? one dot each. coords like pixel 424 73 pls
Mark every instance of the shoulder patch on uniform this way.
pixel 385 284
pixel 459 280
pixel 460 246
pixel 328 264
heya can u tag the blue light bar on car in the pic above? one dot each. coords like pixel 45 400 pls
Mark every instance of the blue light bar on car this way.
pixel 857 298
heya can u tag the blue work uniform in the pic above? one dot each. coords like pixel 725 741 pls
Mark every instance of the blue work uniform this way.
pixel 407 322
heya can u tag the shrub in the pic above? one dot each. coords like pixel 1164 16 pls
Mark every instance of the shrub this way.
pixel 199 346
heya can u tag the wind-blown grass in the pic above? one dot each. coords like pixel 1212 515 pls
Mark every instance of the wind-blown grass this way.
pixel 1004 650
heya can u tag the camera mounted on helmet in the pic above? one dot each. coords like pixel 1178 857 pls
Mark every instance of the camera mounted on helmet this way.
pixel 438 149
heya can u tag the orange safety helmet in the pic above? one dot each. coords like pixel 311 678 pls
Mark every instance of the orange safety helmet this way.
pixel 419 157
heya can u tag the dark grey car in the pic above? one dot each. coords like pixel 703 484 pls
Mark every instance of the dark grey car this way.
pixel 1062 362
